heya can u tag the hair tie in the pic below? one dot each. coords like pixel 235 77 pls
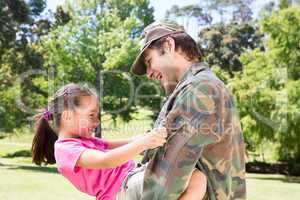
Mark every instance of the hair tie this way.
pixel 47 115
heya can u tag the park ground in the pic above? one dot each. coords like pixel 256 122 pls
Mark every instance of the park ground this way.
pixel 21 180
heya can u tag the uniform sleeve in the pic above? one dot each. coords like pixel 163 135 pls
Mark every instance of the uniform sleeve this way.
pixel 197 111
pixel 193 122
pixel 67 155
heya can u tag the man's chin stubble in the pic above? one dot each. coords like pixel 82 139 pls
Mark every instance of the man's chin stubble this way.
pixel 169 88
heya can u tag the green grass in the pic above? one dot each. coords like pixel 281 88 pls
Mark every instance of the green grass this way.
pixel 21 180
pixel 24 182
pixel 273 187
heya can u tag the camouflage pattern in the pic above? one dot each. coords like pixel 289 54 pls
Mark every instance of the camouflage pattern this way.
pixel 203 130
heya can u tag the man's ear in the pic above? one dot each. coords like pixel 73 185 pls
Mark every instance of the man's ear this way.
pixel 169 45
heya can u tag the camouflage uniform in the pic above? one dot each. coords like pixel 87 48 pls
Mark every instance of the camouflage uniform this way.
pixel 204 129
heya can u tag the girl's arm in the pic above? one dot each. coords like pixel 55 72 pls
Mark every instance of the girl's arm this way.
pixel 117 143
pixel 94 159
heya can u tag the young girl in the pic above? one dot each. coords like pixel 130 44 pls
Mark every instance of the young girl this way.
pixel 94 166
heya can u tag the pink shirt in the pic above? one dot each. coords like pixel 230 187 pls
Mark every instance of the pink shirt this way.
pixel 102 183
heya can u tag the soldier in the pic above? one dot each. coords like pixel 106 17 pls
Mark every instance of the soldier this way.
pixel 201 117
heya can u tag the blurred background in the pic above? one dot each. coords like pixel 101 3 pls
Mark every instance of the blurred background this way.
pixel 252 45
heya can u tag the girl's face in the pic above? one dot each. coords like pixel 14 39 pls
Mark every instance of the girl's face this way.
pixel 85 118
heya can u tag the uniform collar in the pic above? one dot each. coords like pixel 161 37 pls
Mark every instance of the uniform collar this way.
pixel 193 70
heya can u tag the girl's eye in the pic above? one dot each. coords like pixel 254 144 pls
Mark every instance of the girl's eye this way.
pixel 93 117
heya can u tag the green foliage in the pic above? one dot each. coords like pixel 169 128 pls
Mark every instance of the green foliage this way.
pixel 233 10
pixel 16 56
pixel 241 8
pixel 12 14
pixel 96 42
pixel 222 44
pixel 188 12
pixel 83 41
pixel 20 30
pixel 98 46
pixel 283 29
pixel 268 91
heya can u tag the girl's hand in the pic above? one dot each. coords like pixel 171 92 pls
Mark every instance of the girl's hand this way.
pixel 95 159
pixel 156 138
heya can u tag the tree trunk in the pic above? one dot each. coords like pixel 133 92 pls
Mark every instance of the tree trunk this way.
pixel 98 131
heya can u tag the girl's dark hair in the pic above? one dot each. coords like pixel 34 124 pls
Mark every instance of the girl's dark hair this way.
pixel 67 97
pixel 183 42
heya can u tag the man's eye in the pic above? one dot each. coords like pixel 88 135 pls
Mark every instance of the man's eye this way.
pixel 147 62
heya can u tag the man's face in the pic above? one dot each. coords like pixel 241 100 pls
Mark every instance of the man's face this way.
pixel 162 68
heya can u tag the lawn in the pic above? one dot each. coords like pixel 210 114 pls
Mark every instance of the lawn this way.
pixel 273 187
pixel 21 180
pixel 28 182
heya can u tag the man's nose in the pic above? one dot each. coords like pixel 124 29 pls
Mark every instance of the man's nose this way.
pixel 96 122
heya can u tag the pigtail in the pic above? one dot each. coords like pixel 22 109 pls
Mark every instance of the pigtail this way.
pixel 43 142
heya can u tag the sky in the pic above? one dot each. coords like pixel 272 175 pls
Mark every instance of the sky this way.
pixel 161 6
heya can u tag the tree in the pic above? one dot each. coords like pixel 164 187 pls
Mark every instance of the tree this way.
pixel 186 13
pixel 13 14
pixel 222 44
pixel 203 11
pixel 267 9
pixel 268 91
pixel 20 29
pixel 241 11
pixel 15 54
pixel 98 46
